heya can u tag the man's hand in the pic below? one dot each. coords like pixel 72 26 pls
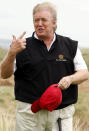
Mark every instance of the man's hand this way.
pixel 7 65
pixel 18 44
pixel 65 82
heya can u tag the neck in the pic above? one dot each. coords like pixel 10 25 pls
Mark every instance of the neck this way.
pixel 47 40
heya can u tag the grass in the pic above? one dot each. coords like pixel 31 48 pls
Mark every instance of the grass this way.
pixel 7 100
pixel 7 108
pixel 2 53
pixel 81 117
pixel 82 107
pixel 7 122
pixel 85 53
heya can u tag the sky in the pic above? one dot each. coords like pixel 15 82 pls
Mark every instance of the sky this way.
pixel 72 18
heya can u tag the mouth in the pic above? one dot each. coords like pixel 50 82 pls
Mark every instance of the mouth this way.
pixel 40 30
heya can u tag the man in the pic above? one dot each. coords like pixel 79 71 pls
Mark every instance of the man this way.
pixel 44 59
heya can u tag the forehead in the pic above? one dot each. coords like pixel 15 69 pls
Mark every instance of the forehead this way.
pixel 42 14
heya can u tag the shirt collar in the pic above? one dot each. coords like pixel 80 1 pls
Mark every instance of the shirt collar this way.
pixel 51 42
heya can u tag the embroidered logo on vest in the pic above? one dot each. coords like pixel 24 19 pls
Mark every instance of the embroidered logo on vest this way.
pixel 61 58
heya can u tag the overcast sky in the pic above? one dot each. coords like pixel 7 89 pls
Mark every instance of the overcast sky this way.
pixel 73 18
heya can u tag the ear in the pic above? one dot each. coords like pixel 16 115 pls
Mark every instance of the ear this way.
pixel 54 23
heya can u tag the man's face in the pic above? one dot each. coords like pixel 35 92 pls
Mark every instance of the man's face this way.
pixel 43 23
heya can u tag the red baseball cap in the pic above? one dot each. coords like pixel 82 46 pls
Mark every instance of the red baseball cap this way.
pixel 50 100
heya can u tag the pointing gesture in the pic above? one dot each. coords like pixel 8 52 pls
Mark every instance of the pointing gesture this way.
pixel 22 35
pixel 18 44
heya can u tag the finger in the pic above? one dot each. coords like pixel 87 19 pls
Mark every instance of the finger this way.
pixel 24 40
pixel 21 36
pixel 14 37
pixel 60 85
pixel 23 47
pixel 24 44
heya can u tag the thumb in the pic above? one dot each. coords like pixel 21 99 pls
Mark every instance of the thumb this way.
pixel 14 37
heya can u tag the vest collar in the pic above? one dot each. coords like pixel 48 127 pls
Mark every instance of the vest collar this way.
pixel 36 37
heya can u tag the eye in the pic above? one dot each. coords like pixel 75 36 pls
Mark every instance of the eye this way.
pixel 36 20
pixel 44 20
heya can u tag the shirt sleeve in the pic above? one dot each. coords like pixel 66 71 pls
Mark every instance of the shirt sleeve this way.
pixel 79 62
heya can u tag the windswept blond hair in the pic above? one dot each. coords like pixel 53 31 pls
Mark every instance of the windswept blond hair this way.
pixel 49 7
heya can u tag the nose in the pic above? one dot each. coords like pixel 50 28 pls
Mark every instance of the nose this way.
pixel 40 22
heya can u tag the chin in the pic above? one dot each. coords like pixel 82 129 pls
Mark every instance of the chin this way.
pixel 40 35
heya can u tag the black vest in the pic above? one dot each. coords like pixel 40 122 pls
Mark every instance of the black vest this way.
pixel 38 68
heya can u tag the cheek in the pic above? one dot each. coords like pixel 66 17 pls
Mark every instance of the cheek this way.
pixel 50 27
pixel 35 25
